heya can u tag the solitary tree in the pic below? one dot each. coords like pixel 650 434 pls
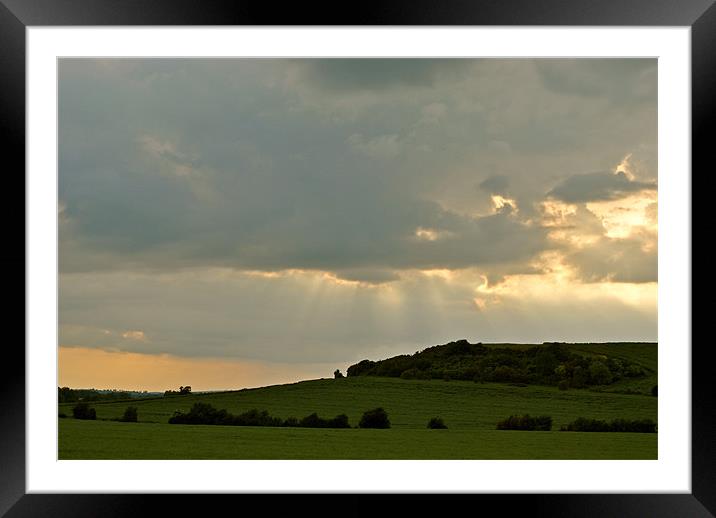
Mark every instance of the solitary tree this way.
pixel 337 374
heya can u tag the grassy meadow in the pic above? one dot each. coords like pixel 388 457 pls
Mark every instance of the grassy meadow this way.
pixel 151 441
pixel 470 410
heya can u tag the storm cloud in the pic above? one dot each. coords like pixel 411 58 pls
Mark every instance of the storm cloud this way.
pixel 327 209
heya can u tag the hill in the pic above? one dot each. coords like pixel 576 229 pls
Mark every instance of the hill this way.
pixel 625 367
pixel 470 410
pixel 410 403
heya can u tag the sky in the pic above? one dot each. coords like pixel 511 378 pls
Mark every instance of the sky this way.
pixel 227 223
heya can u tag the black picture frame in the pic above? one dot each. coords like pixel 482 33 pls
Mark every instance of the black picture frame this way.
pixel 17 15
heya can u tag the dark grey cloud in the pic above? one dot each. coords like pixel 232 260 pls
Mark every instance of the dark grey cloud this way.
pixel 189 163
pixel 178 166
pixel 619 80
pixel 179 179
pixel 379 74
pixel 496 184
pixel 601 186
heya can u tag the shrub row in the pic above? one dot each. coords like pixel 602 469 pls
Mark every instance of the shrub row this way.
pixel 526 422
pixel 313 421
pixel 204 413
pixel 84 411
pixel 583 424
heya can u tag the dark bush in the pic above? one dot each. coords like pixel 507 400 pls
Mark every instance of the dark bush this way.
pixel 340 421
pixel 583 424
pixel 563 385
pixel 337 374
pixel 436 423
pixel 200 413
pixel 83 411
pixel 130 415
pixel 641 426
pixel 543 423
pixel 253 417
pixel 376 418
pixel 526 422
pixel 290 421
pixel 204 413
pixel 62 415
pixel 654 390
pixel 313 421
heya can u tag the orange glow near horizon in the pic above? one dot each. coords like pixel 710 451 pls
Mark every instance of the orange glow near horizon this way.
pixel 81 367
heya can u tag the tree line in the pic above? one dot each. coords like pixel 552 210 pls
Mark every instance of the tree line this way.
pixel 69 395
pixel 547 364
pixel 205 413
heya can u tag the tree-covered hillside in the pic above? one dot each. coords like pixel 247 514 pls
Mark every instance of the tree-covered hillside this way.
pixel 545 364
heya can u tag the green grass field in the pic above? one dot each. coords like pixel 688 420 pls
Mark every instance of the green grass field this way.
pixel 470 410
pixel 112 440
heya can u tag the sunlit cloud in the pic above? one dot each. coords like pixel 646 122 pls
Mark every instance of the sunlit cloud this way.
pixel 622 218
pixel 555 212
pixel 431 234
pixel 500 202
pixel 137 336
pixel 625 166
pixel 561 282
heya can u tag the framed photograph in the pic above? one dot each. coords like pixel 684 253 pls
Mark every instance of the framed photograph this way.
pixel 417 250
